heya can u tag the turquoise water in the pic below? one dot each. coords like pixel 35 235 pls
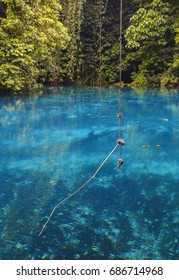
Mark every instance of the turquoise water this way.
pixel 51 144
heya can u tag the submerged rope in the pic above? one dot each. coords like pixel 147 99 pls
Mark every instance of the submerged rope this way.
pixel 80 188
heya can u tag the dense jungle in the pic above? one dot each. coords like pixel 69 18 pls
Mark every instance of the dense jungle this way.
pixel 67 42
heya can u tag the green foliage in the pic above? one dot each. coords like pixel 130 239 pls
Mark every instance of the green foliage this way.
pixel 139 80
pixel 31 38
pixel 111 70
pixel 147 25
pixel 67 41
pixel 171 77
pixel 72 19
pixel 150 44
pixel 99 37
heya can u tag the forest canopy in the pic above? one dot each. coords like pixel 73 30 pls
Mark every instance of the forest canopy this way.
pixel 55 42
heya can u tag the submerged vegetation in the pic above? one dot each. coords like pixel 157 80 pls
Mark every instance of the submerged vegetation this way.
pixel 77 42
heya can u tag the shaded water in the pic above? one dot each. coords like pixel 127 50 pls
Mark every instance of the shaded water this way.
pixel 51 144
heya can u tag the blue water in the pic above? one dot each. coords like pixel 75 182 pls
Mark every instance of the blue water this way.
pixel 52 143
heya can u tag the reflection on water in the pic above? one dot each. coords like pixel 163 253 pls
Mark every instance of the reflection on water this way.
pixel 51 144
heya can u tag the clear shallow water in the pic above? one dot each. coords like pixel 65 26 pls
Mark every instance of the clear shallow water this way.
pixel 51 144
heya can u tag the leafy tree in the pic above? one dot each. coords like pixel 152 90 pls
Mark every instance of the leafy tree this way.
pixel 150 43
pixel 31 38
pixel 148 38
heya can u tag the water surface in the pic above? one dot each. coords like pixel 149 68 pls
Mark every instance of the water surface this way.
pixel 51 144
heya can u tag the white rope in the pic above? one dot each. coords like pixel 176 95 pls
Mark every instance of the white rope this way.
pixel 79 189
